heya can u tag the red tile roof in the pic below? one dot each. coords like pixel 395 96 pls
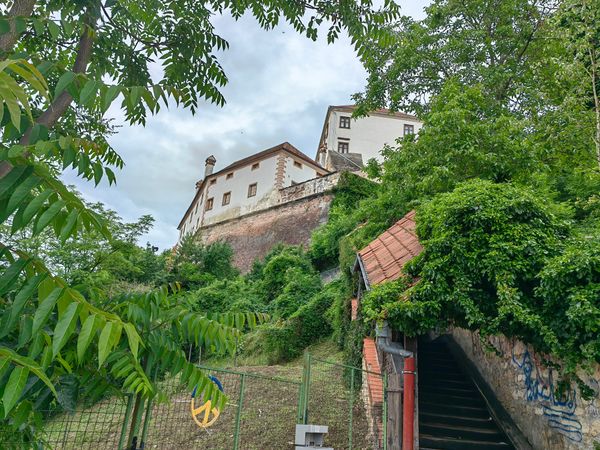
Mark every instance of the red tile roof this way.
pixel 383 259
pixel 374 378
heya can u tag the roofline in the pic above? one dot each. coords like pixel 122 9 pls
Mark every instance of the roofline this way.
pixel 363 272
pixel 263 154
pixel 351 108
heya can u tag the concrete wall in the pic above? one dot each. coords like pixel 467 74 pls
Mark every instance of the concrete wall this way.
pixel 296 211
pixel 526 388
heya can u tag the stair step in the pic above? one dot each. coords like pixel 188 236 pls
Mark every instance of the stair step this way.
pixel 450 390
pixel 441 374
pixel 489 433
pixel 439 364
pixel 455 419
pixel 426 441
pixel 446 399
pixel 431 381
pixel 454 410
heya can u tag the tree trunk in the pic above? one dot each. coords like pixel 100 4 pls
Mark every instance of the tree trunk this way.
pixel 20 8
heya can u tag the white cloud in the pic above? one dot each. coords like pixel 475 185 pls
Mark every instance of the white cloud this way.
pixel 280 85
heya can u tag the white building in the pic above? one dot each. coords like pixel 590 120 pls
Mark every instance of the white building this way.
pixel 246 186
pixel 348 143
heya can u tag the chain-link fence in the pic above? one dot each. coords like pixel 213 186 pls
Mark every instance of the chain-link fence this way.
pixel 351 401
pixel 261 413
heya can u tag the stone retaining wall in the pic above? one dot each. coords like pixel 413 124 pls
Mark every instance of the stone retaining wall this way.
pixel 527 390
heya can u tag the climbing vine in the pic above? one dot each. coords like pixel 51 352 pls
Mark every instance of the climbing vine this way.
pixel 500 259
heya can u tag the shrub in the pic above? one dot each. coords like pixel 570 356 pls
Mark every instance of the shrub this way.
pixel 287 339
pixel 298 289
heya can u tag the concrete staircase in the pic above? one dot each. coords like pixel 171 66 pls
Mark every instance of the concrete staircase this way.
pixel 452 412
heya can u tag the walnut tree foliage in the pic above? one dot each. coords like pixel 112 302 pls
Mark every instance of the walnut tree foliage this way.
pixel 62 65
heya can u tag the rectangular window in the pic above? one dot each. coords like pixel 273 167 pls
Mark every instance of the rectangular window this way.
pixel 229 176
pixel 297 164
pixel 343 147
pixel 213 181
pixel 252 190
pixel 209 203
pixel 409 129
pixel 226 198
pixel 255 166
pixel 344 122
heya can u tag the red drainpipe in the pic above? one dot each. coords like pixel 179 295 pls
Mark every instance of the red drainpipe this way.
pixel 408 412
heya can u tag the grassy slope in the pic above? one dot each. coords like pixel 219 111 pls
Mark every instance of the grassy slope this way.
pixel 267 419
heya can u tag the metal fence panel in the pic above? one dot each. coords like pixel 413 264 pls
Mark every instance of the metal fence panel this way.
pixel 349 400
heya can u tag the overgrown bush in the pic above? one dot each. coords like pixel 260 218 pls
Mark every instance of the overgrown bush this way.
pixel 351 189
pixel 498 259
pixel 285 340
pixel 298 289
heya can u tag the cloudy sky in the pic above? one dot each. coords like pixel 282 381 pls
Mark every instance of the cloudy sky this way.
pixel 280 85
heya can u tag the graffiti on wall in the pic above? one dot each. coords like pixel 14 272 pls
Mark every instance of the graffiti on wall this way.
pixel 540 388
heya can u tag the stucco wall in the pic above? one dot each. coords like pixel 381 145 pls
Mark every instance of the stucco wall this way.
pixel 272 174
pixel 367 135
pixel 526 389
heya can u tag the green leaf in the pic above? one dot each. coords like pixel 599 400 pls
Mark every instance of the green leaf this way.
pixel 104 344
pixel 64 81
pixel 48 215
pixel 38 27
pixel 14 387
pixel 69 156
pixel 111 94
pixel 133 338
pixel 21 193
pixel 20 300
pixel 35 205
pixel 10 275
pixel 65 327
pixel 98 172
pixel 69 225
pixel 85 336
pixel 29 364
pixel 44 309
pixel 4 26
pixel 88 91
pixel 110 175
pixel 54 30
pixel 67 26
pixel 13 177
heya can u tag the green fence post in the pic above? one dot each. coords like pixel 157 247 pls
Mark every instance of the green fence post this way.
pixel 307 387
pixel 126 421
pixel 385 410
pixel 238 417
pixel 351 408
pixel 147 419
pixel 300 412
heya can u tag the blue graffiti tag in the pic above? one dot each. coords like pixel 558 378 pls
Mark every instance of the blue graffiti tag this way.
pixel 560 412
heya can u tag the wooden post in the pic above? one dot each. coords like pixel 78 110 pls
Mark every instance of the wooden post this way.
pixel 394 416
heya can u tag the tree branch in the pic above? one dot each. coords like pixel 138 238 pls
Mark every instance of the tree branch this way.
pixel 61 103
pixel 20 8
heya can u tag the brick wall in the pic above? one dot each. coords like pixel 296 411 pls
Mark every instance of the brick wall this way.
pixel 527 390
pixel 253 235
pixel 373 390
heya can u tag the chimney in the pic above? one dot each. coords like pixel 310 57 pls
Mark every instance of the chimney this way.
pixel 210 165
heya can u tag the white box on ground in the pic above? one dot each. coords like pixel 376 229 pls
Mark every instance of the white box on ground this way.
pixel 309 437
